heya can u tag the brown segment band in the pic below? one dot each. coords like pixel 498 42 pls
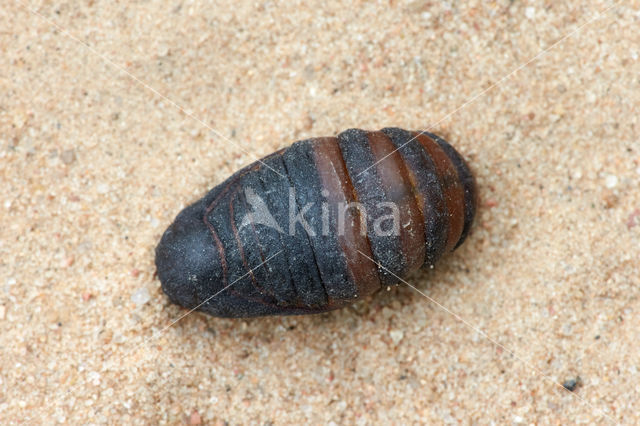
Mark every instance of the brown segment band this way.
pixel 399 190
pixel 451 187
pixel 335 179
pixel 468 184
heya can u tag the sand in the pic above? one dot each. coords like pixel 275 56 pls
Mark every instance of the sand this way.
pixel 114 116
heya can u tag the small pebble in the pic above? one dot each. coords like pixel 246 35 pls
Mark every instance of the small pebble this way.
pixel 396 336
pixel 68 156
pixel 195 418
pixel 611 181
pixel 103 188
pixel 141 296
pixel 609 198
pixel 572 384
pixel 577 174
pixel 566 330
pixel 490 203
pixel 634 219
pixel 530 12
pixel 94 377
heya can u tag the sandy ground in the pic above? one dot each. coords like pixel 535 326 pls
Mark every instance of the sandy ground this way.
pixel 113 117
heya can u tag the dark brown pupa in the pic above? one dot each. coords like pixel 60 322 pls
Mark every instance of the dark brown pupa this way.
pixel 295 232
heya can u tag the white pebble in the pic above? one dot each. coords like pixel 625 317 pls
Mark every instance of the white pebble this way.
pixel 396 336
pixel 94 377
pixel 611 181
pixel 530 12
pixel 577 174
pixel 103 188
pixel 141 296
